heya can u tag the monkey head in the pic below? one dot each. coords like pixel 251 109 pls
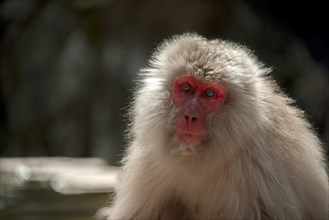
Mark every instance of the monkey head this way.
pixel 196 91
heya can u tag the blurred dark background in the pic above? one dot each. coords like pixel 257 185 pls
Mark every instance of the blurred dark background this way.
pixel 68 67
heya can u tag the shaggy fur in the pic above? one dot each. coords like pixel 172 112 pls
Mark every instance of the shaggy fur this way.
pixel 260 159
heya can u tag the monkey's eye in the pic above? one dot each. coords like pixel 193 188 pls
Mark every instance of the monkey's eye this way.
pixel 209 93
pixel 185 87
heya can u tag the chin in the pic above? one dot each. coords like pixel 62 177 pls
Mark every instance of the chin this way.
pixel 186 145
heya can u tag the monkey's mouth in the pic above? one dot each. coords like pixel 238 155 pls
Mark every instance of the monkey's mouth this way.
pixel 186 145
pixel 188 140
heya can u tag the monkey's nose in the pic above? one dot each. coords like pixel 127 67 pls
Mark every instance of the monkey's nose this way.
pixel 190 119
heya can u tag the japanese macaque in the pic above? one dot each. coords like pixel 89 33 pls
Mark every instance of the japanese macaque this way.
pixel 213 137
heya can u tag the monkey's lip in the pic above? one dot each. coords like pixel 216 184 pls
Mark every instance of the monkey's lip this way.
pixel 188 140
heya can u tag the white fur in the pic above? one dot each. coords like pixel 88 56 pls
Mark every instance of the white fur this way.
pixel 260 159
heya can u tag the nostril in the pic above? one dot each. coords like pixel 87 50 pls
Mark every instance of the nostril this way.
pixel 190 119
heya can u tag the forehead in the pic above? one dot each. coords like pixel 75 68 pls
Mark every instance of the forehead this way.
pixel 197 58
pixel 194 82
pixel 213 60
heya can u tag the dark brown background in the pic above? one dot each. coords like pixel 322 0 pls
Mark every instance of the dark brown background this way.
pixel 68 67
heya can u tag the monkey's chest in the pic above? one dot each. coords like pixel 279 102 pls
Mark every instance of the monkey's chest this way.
pixel 202 195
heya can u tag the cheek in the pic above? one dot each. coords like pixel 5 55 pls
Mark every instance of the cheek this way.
pixel 178 100
pixel 211 106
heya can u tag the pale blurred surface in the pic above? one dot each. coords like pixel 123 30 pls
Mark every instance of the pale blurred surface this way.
pixel 54 188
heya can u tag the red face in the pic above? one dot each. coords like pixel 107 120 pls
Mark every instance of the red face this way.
pixel 195 101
